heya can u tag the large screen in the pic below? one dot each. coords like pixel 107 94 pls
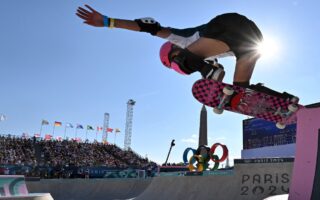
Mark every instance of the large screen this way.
pixel 259 133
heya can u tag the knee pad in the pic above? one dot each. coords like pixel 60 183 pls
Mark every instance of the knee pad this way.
pixel 188 62
pixel 181 60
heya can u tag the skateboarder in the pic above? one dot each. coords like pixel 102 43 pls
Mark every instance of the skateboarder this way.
pixel 190 50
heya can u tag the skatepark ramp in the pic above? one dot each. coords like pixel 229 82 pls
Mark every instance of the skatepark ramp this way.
pixel 306 171
pixel 14 187
pixel 29 197
pixel 251 179
pixel 85 189
pixel 256 179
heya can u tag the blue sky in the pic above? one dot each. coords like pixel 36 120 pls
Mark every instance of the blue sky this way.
pixel 54 67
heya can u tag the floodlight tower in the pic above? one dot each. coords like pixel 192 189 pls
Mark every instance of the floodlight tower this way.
pixel 127 137
pixel 105 127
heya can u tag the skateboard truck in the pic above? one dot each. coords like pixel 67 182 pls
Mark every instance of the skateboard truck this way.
pixel 227 92
pixel 292 108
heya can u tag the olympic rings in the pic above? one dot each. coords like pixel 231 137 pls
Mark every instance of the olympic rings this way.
pixel 224 155
pixel 192 160
pixel 203 155
pixel 204 151
pixel 201 163
pixel 216 164
pixel 185 154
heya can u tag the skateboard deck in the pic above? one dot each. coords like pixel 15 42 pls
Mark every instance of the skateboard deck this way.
pixel 222 96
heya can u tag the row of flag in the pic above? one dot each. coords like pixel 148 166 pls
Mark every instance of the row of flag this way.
pixel 67 125
pixel 79 126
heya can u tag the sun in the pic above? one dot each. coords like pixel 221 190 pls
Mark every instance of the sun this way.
pixel 269 48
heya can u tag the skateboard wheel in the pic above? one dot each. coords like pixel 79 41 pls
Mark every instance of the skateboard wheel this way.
pixel 294 100
pixel 228 91
pixel 218 111
pixel 293 108
pixel 280 125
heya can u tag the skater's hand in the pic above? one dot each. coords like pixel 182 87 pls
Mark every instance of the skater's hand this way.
pixel 90 16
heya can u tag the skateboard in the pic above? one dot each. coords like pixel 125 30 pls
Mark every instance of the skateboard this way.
pixel 221 96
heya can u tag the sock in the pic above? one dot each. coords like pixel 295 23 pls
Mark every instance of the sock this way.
pixel 242 84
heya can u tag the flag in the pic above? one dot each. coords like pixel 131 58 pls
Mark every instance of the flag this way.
pixel 44 122
pixel 79 126
pixel 2 117
pixel 99 128
pixel 37 135
pixel 69 125
pixel 117 130
pixel 89 127
pixel 57 123
pixel 47 137
pixel 109 130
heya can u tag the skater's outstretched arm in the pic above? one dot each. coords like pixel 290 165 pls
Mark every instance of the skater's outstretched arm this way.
pixel 149 25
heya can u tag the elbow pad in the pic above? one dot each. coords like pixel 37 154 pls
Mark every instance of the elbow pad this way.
pixel 148 25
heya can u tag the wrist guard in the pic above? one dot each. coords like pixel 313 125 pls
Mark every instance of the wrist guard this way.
pixel 148 25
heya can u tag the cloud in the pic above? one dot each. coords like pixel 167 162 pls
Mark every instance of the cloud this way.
pixel 216 140
pixel 191 140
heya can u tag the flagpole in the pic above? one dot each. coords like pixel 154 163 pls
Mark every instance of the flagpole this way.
pixel 97 135
pixel 65 130
pixel 41 129
pixel 53 130
pixel 87 133
pixel 75 133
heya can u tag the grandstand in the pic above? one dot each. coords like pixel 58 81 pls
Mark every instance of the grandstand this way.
pixel 65 159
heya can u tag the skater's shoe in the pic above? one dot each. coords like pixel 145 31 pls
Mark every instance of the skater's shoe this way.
pixel 216 72
pixel 293 99
pixel 260 88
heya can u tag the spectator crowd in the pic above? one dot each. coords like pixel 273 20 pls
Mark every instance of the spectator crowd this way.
pixel 47 158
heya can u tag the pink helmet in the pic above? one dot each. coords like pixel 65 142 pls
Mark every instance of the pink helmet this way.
pixel 164 53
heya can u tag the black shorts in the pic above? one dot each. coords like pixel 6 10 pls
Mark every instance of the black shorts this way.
pixel 238 32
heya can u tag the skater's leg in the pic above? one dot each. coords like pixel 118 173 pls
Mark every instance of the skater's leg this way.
pixel 244 69
pixel 191 59
pixel 242 75
pixel 207 47
pixel 243 72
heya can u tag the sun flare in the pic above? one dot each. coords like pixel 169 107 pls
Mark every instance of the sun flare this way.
pixel 269 48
